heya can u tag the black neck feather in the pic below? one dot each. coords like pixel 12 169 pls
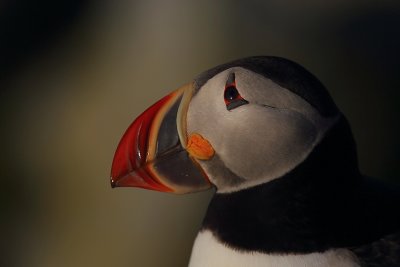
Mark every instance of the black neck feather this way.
pixel 312 208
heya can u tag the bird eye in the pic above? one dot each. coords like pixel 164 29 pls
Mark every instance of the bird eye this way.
pixel 231 95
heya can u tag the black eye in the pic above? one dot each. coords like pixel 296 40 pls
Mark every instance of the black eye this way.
pixel 231 93
pixel 233 99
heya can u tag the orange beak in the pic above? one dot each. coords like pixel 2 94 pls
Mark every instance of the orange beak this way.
pixel 152 153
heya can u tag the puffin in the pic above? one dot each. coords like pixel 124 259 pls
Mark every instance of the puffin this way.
pixel 266 134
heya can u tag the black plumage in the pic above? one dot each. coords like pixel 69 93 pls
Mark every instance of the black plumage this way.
pixel 323 203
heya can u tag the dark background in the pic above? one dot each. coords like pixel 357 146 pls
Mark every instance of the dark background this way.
pixel 74 74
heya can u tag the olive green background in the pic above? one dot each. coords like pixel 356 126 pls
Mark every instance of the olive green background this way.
pixel 75 75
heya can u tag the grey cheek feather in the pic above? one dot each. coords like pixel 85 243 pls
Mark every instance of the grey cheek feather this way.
pixel 274 132
pixel 220 174
pixel 257 135
pixel 263 91
pixel 272 140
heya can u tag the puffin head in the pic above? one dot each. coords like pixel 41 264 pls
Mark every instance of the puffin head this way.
pixel 234 126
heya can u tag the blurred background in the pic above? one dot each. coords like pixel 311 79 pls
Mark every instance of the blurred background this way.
pixel 74 74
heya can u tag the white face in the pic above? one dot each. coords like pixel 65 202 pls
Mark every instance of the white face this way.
pixel 256 142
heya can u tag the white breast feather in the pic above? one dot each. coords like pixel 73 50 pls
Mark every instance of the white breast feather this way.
pixel 209 252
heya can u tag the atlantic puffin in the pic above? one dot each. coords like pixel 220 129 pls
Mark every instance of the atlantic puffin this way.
pixel 267 135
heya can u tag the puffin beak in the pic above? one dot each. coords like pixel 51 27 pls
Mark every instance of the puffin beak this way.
pixel 153 153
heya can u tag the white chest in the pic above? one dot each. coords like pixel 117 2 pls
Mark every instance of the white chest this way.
pixel 208 252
